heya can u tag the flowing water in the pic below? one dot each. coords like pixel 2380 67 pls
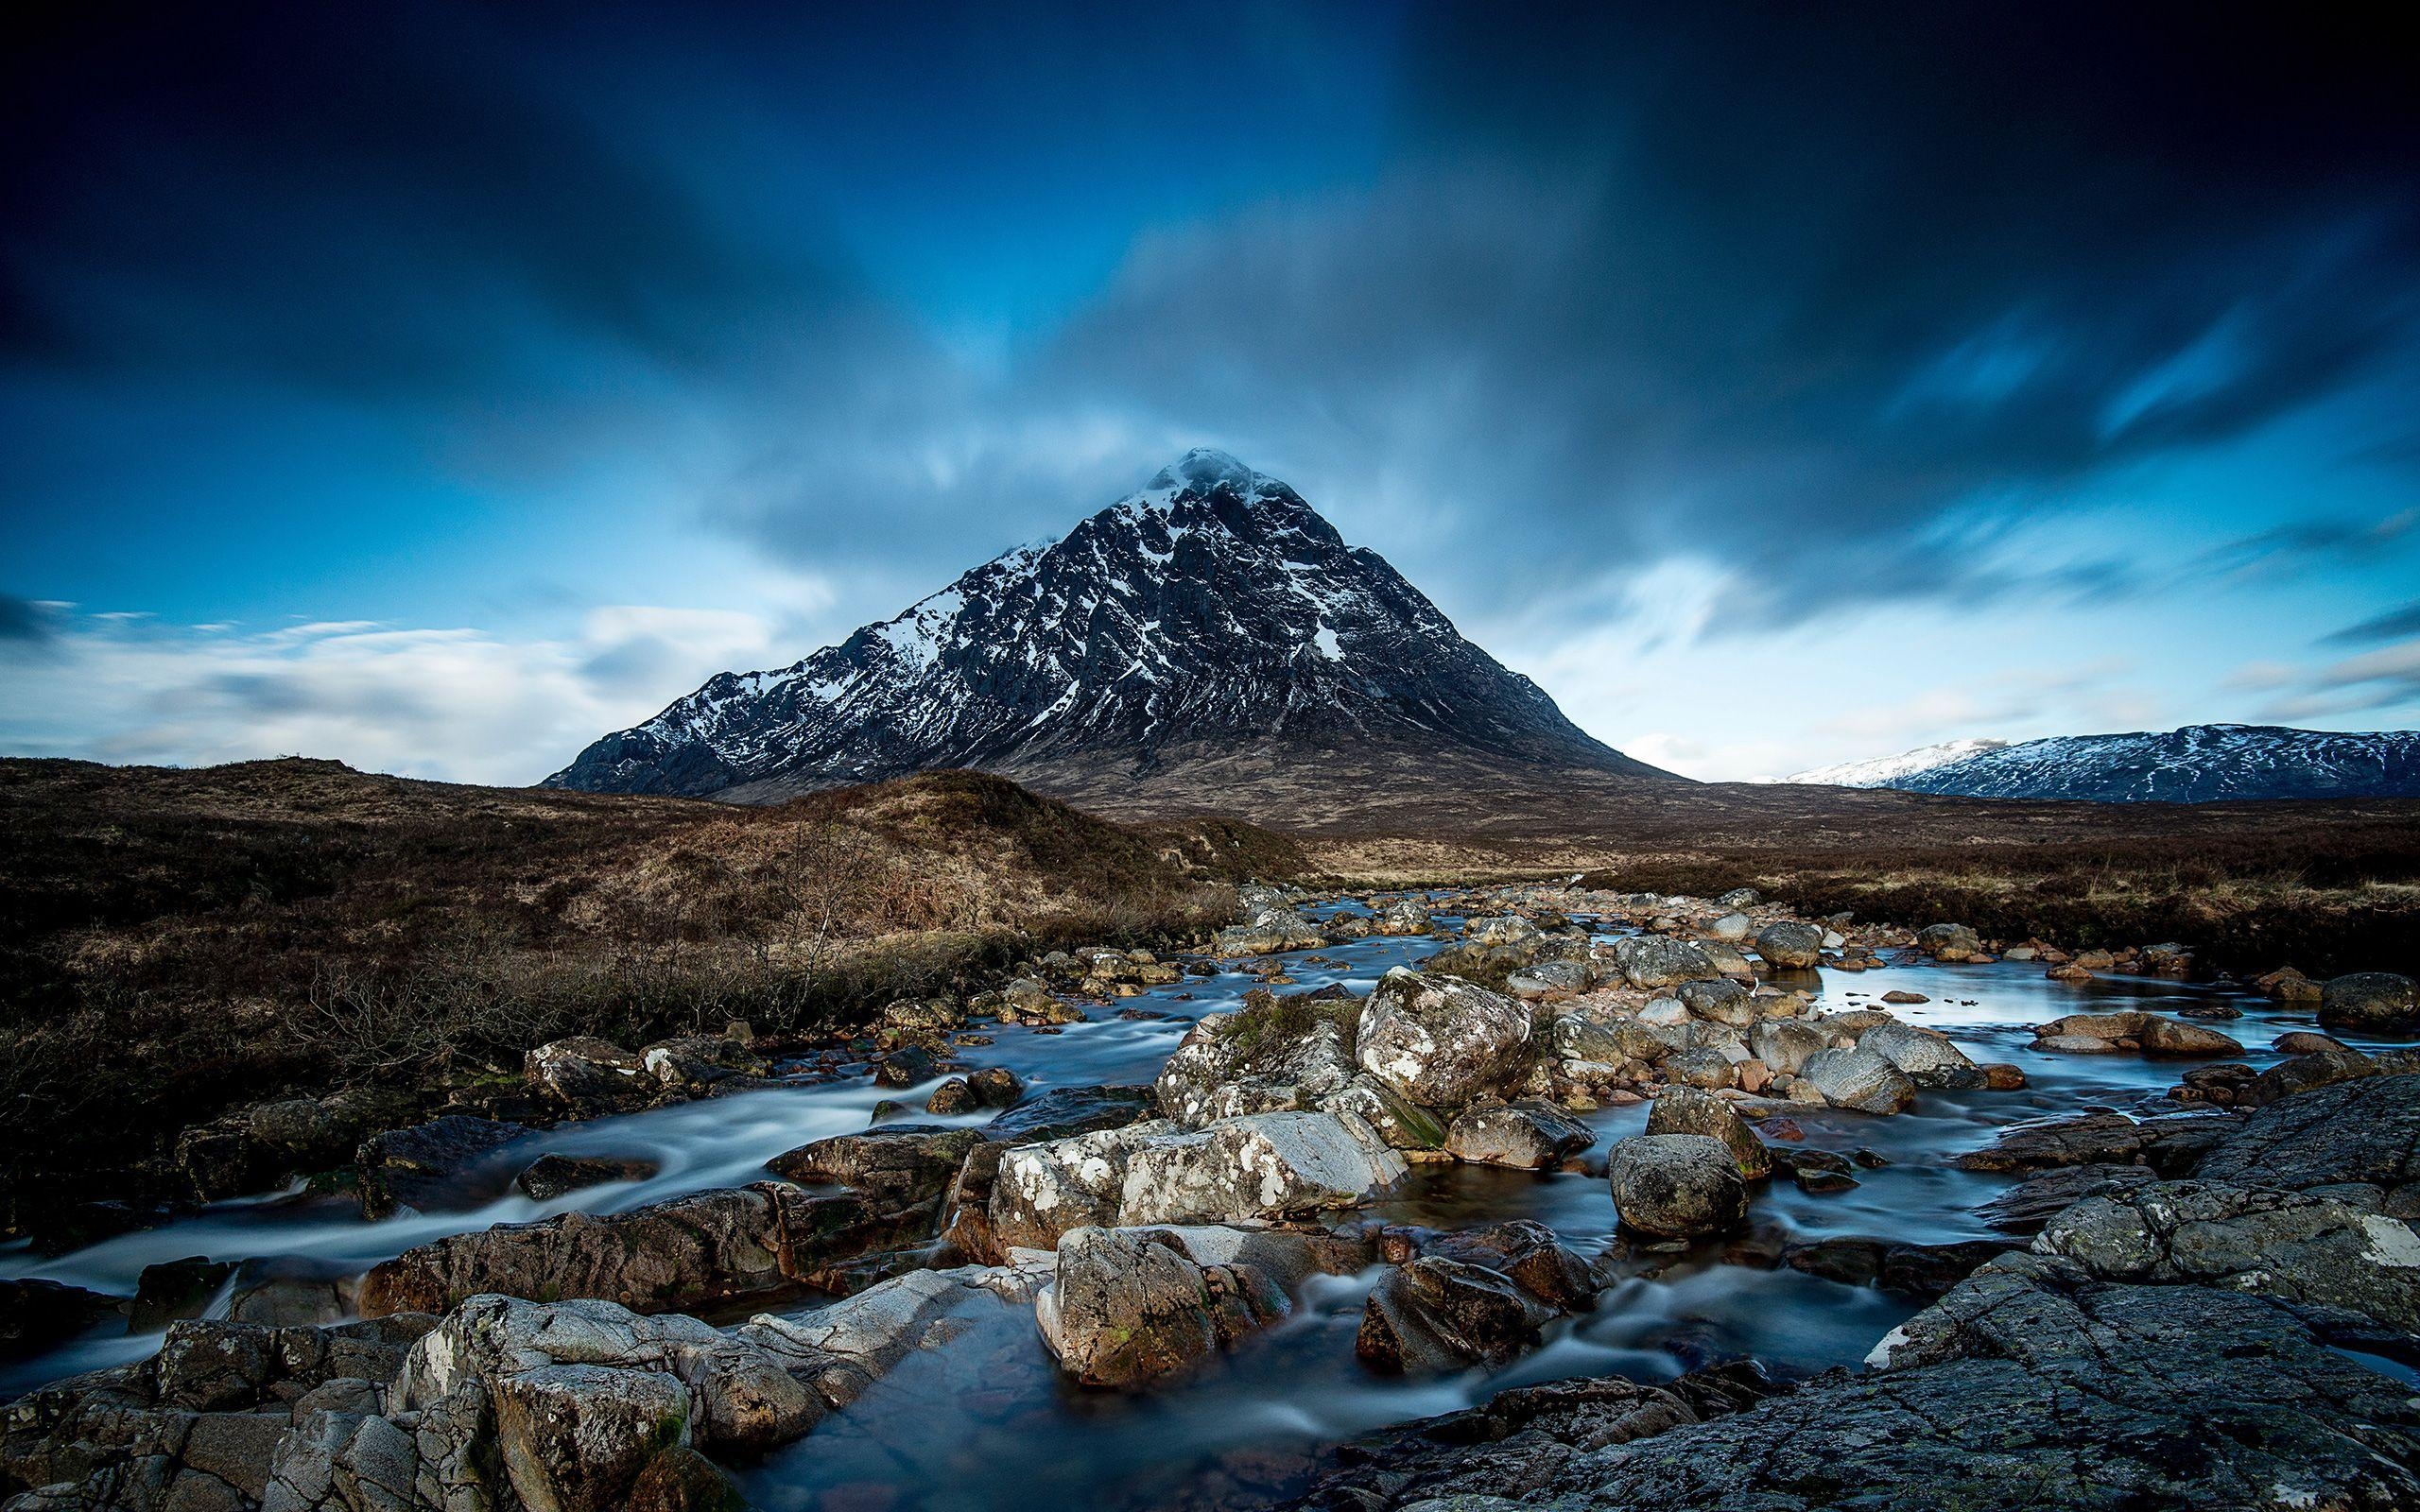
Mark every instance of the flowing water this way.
pixel 988 1423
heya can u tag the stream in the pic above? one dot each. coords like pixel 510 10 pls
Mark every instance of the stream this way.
pixel 989 1425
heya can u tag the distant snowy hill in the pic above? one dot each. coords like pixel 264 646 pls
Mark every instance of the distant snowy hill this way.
pixel 1213 615
pixel 2199 764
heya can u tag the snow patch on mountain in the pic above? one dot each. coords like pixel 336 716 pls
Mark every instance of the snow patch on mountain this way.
pixel 2198 763
pixel 1883 771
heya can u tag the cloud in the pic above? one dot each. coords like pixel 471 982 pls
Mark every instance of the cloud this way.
pixel 2385 679
pixel 458 705
pixel 25 623
pixel 2391 626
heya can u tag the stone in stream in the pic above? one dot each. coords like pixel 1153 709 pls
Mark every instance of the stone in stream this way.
pixel 1732 927
pixel 586 1077
pixel 2147 1031
pixel 1529 1135
pixel 173 1289
pixel 1274 1054
pixel 37 1314
pixel 1404 916
pixel 2023 1209
pixel 2370 1003
pixel 1925 1056
pixel 453 1161
pixel 1439 1040
pixel 1719 1001
pixel 1676 1186
pixel 2098 1136
pixel 1130 1305
pixel 896 1165
pixel 550 1177
pixel 702 1247
pixel 1949 942
pixel 1857 1079
pixel 1650 961
pixel 1783 1046
pixel 1436 1314
pixel 1913 1270
pixel 1690 1110
pixel 2300 1246
pixel 1268 933
pixel 1791 945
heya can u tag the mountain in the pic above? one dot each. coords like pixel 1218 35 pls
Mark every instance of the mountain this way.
pixel 1209 634
pixel 2199 764
pixel 1882 770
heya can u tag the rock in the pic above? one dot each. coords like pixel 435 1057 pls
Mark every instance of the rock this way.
pixel 1402 1123
pixel 1949 942
pixel 2167 960
pixel 705 1247
pixel 36 1315
pixel 2303 1072
pixel 1404 916
pixel 575 1438
pixel 1689 1111
pixel 1917 1270
pixel 897 1164
pixel 1441 1041
pixel 1676 1186
pixel 1267 933
pixel 1522 1248
pixel 1926 1057
pixel 1066 1110
pixel 2167 1145
pixel 1275 1055
pixel 1903 997
pixel 290 1292
pixel 1528 1135
pixel 2299 1246
pixel 1857 1079
pixel 1732 927
pixel 2025 1206
pixel 585 1076
pixel 1124 1308
pixel 1740 897
pixel 1816 1171
pixel 930 1020
pixel 1264 1166
pixel 1783 1046
pixel 1043 1189
pixel 2304 1043
pixel 1437 1314
pixel 552 1175
pixel 1504 929
pixel 1549 981
pixel 453 1161
pixel 694 1063
pixel 908 1066
pixel 2288 986
pixel 1720 1001
pixel 173 1289
pixel 1702 1065
pixel 1648 961
pixel 2167 1036
pixel 2370 1003
pixel 2363 1133
pixel 1791 945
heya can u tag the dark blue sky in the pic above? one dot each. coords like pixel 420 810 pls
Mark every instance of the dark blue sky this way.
pixel 435 385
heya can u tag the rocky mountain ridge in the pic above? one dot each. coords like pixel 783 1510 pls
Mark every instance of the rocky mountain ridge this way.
pixel 2197 763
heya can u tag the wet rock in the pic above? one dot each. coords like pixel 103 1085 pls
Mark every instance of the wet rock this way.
pixel 553 1176
pixel 1783 1046
pixel 2165 1036
pixel 1648 961
pixel 2167 1145
pixel 452 1161
pixel 290 1292
pixel 1791 945
pixel 1817 1171
pixel 2370 1003
pixel 929 1020
pixel 2288 986
pixel 1528 1135
pixel 1066 1111
pixel 1857 1079
pixel 2304 1043
pixel 896 1166
pixel 1720 1001
pixel 1264 1166
pixel 1441 1041
pixel 2301 1247
pixel 1676 1186
pixel 1903 997
pixel 1925 1056
pixel 909 1066
pixel 1404 916
pixel 2363 1133
pixel 1926 1271
pixel 693 1063
pixel 705 1247
pixel 1275 1055
pixel 2303 1073
pixel 1949 942
pixel 2025 1208
pixel 1690 1110
pixel 1269 931
pixel 585 1076
pixel 1124 1308
pixel 1437 1314
pixel 173 1289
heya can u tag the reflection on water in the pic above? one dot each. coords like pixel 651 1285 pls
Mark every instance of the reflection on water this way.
pixel 989 1424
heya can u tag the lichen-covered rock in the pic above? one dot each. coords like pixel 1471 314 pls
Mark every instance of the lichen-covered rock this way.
pixel 1719 1001
pixel 1264 1166
pixel 1693 1110
pixel 1045 1190
pixel 1439 1040
pixel 895 1164
pixel 1676 1186
pixel 1949 942
pixel 1783 1046
pixel 1267 932
pixel 1857 1079
pixel 1263 1060
pixel 1791 945
pixel 1549 981
pixel 1404 916
pixel 1124 1308
pixel 2370 1003
pixel 1528 1135
pixel 1925 1056
pixel 1650 961
pixel 585 1075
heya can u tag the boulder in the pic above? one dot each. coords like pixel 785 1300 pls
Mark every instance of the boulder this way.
pixel 896 1165
pixel 1267 932
pixel 1606 1037
pixel 1439 1040
pixel 1266 1166
pixel 1676 1186
pixel 585 1076
pixel 1124 1308
pixel 1783 1046
pixel 1926 1057
pixel 2168 1145
pixel 1045 1190
pixel 1791 945
pixel 1732 927
pixel 1549 981
pixel 1276 1054
pixel 1650 961
pixel 1404 916
pixel 1739 897
pixel 2363 1133
pixel 448 1162
pixel 2370 1003
pixel 1949 942
pixel 1436 1314
pixel 1857 1079
pixel 2167 1036
pixel 1720 1001
pixel 37 1314
pixel 694 1063
pixel 1066 1110
pixel 1529 1135
pixel 550 1177
pixel 1690 1110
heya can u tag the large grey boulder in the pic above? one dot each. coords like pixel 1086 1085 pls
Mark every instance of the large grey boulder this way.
pixel 2370 1003
pixel 1404 916
pixel 1434 1314
pixel 1925 1056
pixel 586 1075
pixel 1439 1040
pixel 1676 1186
pixel 1528 1135
pixel 1693 1110
pixel 1271 1056
pixel 2298 1245
pixel 1784 1044
pixel 1857 1079
pixel 897 1162
pixel 1268 932
pixel 1791 945
pixel 1650 961
pixel 1041 1191
pixel 1265 1166
pixel 1720 1001
pixel 1125 1308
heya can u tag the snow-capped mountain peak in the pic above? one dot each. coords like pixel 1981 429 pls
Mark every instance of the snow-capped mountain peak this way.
pixel 1212 607
pixel 2197 763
